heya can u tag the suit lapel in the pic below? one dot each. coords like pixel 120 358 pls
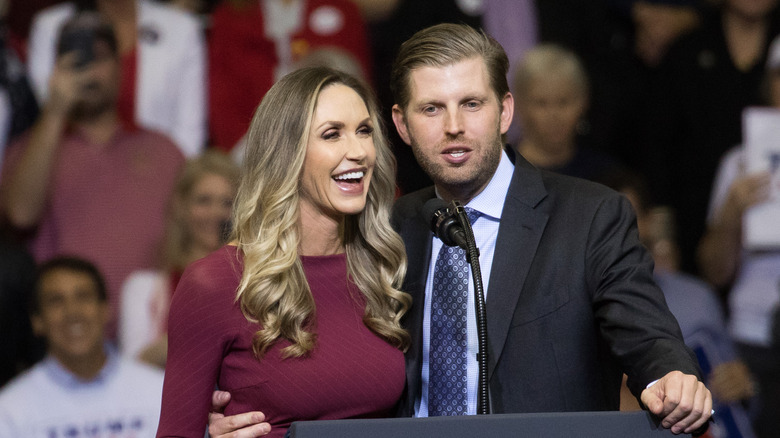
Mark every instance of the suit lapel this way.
pixel 519 233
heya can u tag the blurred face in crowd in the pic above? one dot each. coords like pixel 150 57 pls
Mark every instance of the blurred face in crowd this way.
pixel 71 315
pixel 454 122
pixel 99 85
pixel 655 232
pixel 340 155
pixel 550 109
pixel 207 211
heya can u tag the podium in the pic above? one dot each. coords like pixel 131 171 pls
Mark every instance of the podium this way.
pixel 638 424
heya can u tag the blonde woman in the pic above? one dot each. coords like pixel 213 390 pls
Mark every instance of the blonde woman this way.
pixel 198 219
pixel 300 315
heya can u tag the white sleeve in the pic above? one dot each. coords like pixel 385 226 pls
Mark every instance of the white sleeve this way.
pixel 139 323
pixel 41 49
pixel 191 118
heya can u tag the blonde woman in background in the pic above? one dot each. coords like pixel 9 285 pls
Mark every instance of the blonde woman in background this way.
pixel 198 220
pixel 551 99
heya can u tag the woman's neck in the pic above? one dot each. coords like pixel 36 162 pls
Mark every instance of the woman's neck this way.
pixel 195 253
pixel 546 156
pixel 320 234
pixel 317 243
pixel 745 37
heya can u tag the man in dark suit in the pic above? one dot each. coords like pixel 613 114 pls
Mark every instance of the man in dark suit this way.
pixel 571 303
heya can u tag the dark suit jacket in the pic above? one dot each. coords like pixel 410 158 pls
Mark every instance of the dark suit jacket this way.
pixel 571 302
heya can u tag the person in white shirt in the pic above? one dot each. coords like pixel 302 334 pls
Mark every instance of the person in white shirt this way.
pixel 82 387
pixel 749 277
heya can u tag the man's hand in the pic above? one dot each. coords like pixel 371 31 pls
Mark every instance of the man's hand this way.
pixel 246 425
pixel 745 192
pixel 66 84
pixel 682 402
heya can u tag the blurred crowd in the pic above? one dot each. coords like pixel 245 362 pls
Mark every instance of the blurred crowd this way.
pixel 126 155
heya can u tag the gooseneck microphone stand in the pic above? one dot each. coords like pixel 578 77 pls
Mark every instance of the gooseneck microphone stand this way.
pixel 472 256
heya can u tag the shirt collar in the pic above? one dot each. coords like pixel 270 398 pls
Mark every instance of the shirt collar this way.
pixel 490 201
pixel 66 378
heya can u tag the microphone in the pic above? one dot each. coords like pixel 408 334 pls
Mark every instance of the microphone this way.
pixel 444 223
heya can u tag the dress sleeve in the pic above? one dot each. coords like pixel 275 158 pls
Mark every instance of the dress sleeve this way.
pixel 199 333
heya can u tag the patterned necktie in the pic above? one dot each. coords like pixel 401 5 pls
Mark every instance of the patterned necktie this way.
pixel 447 391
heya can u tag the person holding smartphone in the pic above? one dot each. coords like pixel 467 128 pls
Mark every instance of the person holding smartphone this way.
pixel 81 182
pixel 162 57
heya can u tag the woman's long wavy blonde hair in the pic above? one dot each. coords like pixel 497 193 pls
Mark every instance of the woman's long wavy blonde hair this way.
pixel 273 290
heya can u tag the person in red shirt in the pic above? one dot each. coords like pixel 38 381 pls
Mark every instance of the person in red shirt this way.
pixel 81 182
pixel 253 43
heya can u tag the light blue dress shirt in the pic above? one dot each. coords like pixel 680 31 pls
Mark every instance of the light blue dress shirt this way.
pixel 490 202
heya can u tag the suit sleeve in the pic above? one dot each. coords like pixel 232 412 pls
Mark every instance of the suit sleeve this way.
pixel 630 309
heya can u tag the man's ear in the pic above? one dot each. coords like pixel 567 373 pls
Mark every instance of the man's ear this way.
pixel 507 112
pixel 400 124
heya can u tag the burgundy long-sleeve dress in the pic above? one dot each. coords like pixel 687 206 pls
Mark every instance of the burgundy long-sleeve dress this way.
pixel 350 373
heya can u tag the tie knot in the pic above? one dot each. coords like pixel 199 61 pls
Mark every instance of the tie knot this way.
pixel 472 214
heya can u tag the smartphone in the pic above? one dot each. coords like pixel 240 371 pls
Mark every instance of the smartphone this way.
pixel 81 41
